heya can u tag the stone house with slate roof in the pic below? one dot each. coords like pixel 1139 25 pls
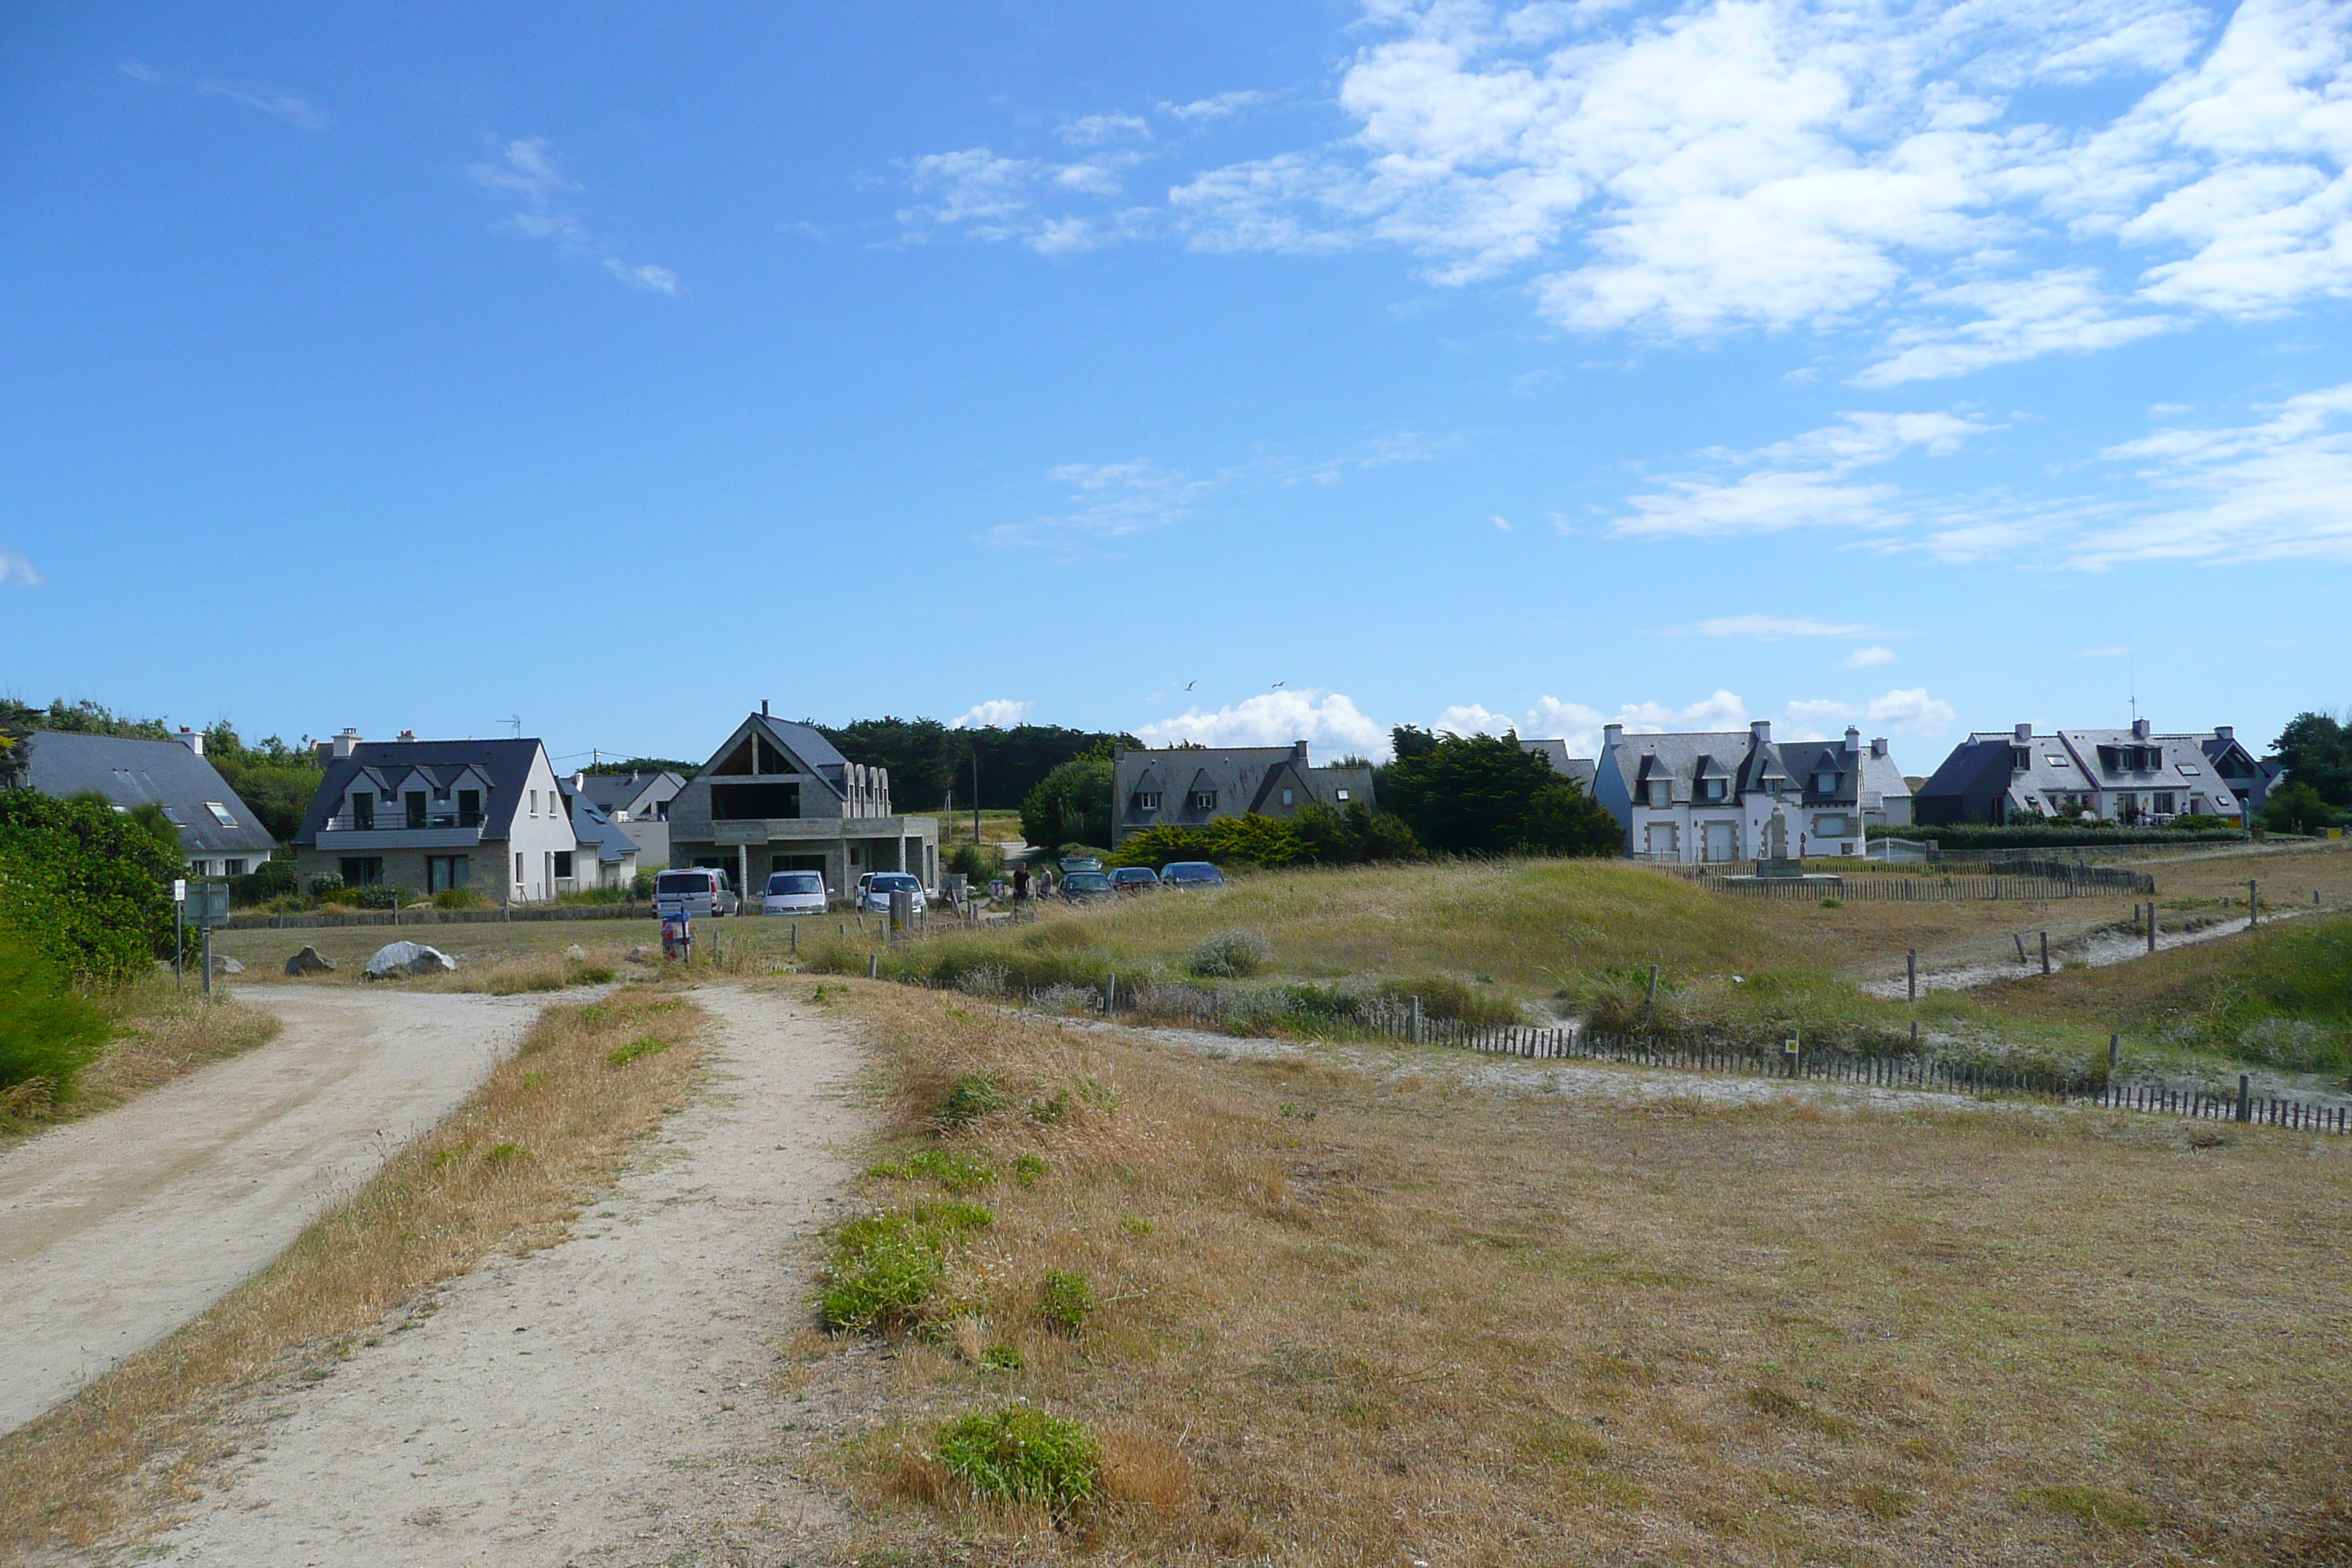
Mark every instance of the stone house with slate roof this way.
pixel 638 805
pixel 777 796
pixel 429 815
pixel 1581 771
pixel 218 833
pixel 1722 796
pixel 2132 775
pixel 1191 787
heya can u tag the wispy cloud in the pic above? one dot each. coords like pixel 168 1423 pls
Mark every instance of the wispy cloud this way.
pixel 1913 712
pixel 15 568
pixel 1203 110
pixel 1110 501
pixel 277 102
pixel 1805 482
pixel 982 195
pixel 1002 713
pixel 1095 129
pixel 1773 628
pixel 1865 657
pixel 544 202
pixel 1326 721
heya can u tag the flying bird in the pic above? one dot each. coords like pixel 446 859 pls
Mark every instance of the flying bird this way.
pixel 1189 684
pixel 1280 684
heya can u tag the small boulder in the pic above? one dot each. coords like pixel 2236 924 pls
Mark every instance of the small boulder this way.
pixel 639 955
pixel 408 958
pixel 224 965
pixel 310 961
pixel 577 953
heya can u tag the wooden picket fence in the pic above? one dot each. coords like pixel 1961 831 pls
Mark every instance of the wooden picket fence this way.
pixel 1403 1020
pixel 1904 889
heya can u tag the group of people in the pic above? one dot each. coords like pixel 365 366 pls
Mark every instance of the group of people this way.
pixel 1023 884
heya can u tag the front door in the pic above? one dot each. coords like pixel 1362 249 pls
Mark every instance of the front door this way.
pixel 1722 841
pixel 1660 840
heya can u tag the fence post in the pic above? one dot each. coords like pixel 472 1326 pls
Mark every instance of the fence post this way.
pixel 208 962
pixel 2045 953
pixel 2246 1099
pixel 2114 1050
pixel 873 966
pixel 2253 904
pixel 1911 978
pixel 1110 994
pixel 2151 926
pixel 1412 1023
pixel 1650 999
pixel 2018 936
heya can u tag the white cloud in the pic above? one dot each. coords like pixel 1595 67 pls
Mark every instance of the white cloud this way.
pixel 1865 657
pixel 527 175
pixel 1471 719
pixel 1001 714
pixel 2278 490
pixel 1328 723
pixel 1503 525
pixel 2064 310
pixel 1770 627
pixel 1853 166
pixel 15 568
pixel 1223 106
pixel 1110 501
pixel 1799 483
pixel 984 196
pixel 1904 712
pixel 140 70
pixel 1094 130
pixel 291 108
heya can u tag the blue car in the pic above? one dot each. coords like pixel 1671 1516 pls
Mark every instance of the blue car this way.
pixel 1182 874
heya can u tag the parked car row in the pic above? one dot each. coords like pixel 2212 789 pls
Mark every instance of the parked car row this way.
pixel 700 892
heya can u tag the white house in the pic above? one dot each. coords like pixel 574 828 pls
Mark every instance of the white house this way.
pixel 429 815
pixel 1716 796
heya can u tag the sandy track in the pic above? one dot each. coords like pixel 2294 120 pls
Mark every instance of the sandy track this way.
pixel 611 1399
pixel 117 1230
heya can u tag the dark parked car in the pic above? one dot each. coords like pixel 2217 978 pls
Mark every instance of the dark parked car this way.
pixel 1085 886
pixel 1134 879
pixel 1191 874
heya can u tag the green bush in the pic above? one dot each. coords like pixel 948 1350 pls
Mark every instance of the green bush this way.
pixel 459 898
pixel 956 1170
pixel 1486 794
pixel 326 885
pixel 381 898
pixel 1073 802
pixel 46 1031
pixel 88 886
pixel 1966 836
pixel 270 880
pixel 2297 807
pixel 981 863
pixel 1064 1299
pixel 886 1267
pixel 622 1055
pixel 1444 996
pixel 641 887
pixel 1021 1454
pixel 1231 954
pixel 971 1096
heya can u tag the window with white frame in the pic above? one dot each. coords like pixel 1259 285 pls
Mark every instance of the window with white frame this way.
pixel 221 814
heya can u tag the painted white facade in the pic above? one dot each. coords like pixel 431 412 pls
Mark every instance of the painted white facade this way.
pixel 1724 796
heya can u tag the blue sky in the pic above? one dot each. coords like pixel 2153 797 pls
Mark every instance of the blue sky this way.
pixel 1235 372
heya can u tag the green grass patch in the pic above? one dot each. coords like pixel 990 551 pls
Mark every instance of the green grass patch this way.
pixel 2099 1509
pixel 1028 1169
pixel 970 1097
pixel 1018 1454
pixel 886 1269
pixel 500 1155
pixel 956 1170
pixel 622 1055
pixel 1064 1300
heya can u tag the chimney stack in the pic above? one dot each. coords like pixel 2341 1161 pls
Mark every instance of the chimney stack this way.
pixel 1298 751
pixel 1878 746
pixel 1761 731
pixel 2225 731
pixel 408 734
pixel 191 738
pixel 1853 739
pixel 763 706
pixel 1611 735
pixel 2024 733
pixel 346 742
pixel 2140 728
pixel 580 783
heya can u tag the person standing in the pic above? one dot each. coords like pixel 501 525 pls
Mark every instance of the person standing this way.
pixel 1020 886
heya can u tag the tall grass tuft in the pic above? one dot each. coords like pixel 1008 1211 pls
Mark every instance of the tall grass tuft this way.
pixel 48 1034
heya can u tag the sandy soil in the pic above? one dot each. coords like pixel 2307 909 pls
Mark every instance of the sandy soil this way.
pixel 115 1231
pixel 2095 949
pixel 611 1399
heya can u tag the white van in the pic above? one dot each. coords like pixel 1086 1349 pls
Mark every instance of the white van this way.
pixel 696 891
pixel 793 893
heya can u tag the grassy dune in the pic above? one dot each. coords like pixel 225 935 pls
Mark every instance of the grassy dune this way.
pixel 1345 1317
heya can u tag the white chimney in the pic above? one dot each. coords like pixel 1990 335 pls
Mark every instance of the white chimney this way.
pixel 191 738
pixel 1611 735
pixel 1878 746
pixel 1853 739
pixel 580 784
pixel 346 742
pixel 1761 731
pixel 2024 733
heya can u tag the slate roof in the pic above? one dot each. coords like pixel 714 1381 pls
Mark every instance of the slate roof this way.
pixel 505 764
pixel 593 829
pixel 621 792
pixel 140 772
pixel 1583 770
pixel 1747 765
pixel 1243 779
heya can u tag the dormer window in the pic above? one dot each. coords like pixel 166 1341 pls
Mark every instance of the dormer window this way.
pixel 1147 800
pixel 1201 800
pixel 1289 797
pixel 1825 784
pixel 2020 758
pixel 1341 793
pixel 1661 795
pixel 364 810
pixel 1714 789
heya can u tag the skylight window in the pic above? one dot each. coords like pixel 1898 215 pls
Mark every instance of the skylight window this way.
pixel 2190 770
pixel 2057 761
pixel 220 814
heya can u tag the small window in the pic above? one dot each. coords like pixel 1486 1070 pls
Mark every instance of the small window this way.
pixel 2020 758
pixel 1341 793
pixel 518 867
pixel 2190 770
pixel 364 810
pixel 2057 761
pixel 534 803
pixel 220 814
pixel 171 816
pixel 1147 800
pixel 563 862
pixel 1826 783
pixel 232 867
pixel 1289 797
pixel 1203 800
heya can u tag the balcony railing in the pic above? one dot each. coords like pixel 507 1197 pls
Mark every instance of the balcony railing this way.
pixel 399 821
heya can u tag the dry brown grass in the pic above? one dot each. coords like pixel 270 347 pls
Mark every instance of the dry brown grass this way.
pixel 505 1171
pixel 164 1034
pixel 1354 1322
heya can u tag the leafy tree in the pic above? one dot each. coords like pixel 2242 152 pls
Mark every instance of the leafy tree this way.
pixel 2318 751
pixel 1071 804
pixel 646 765
pixel 2297 807
pixel 85 885
pixel 1481 794
pixel 275 779
pixel 927 759
pixel 1353 835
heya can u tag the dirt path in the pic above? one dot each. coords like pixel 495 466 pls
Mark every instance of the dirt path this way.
pixel 611 1399
pixel 2095 949
pixel 115 1231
